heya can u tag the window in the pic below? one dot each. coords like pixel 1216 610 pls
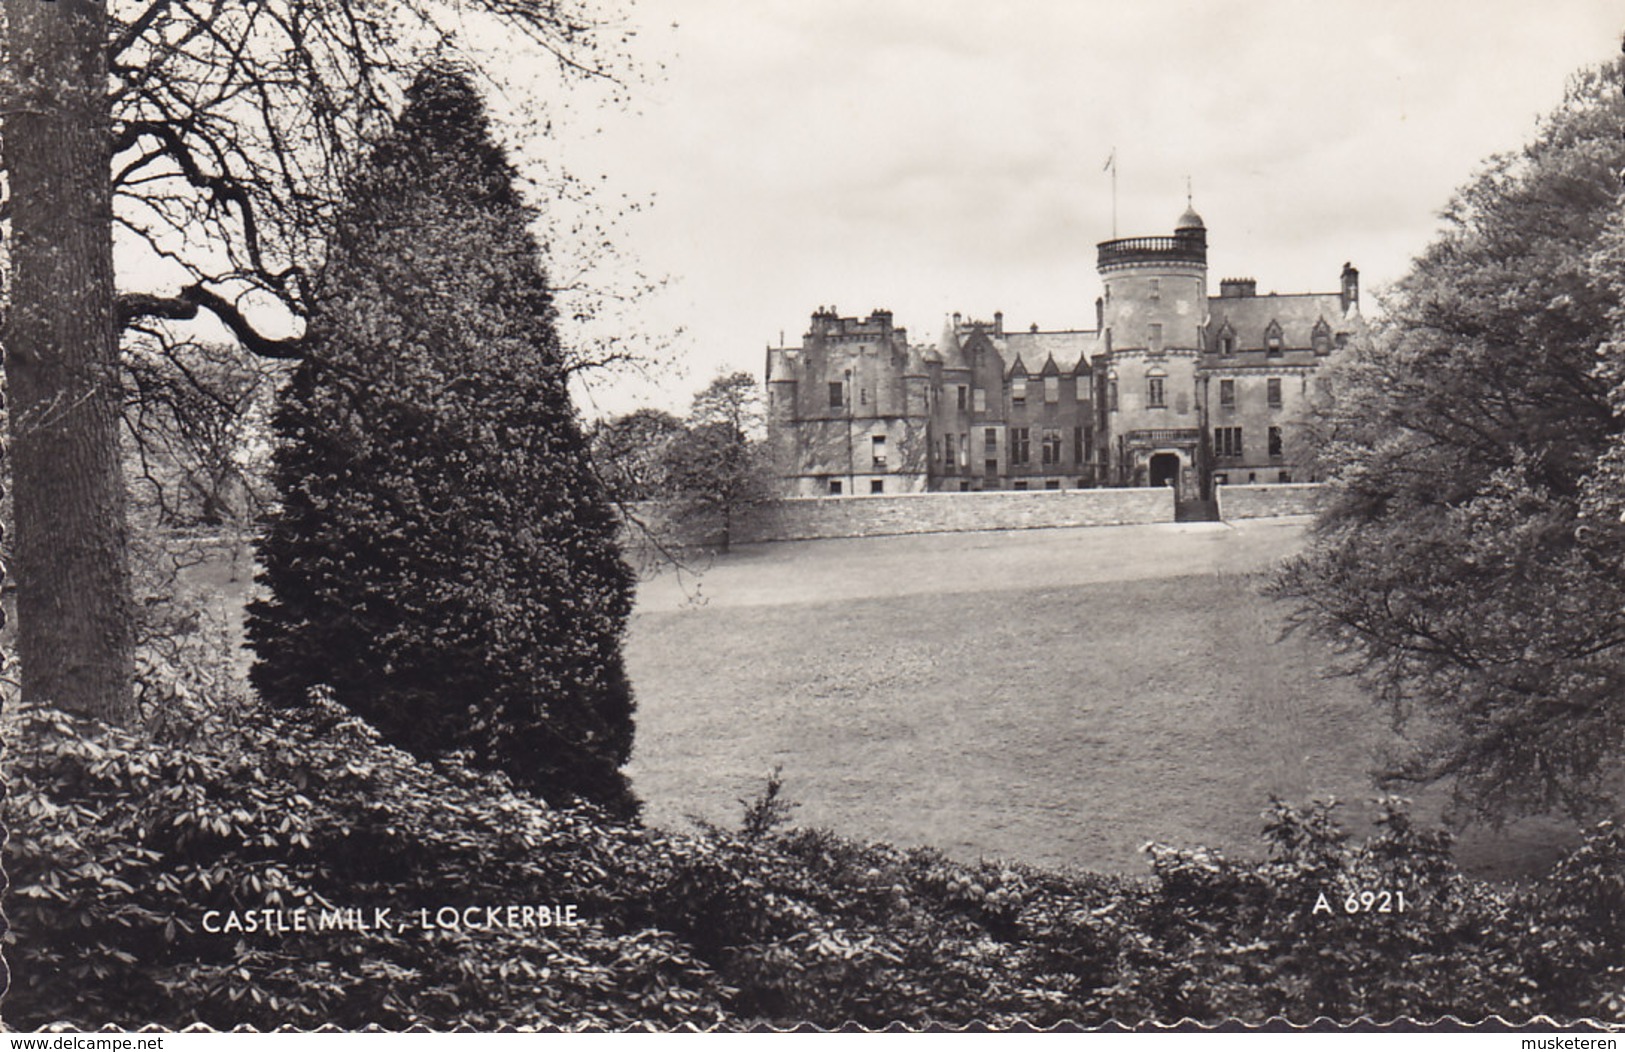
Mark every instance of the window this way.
pixel 1227 393
pixel 1153 391
pixel 1019 484
pixel 964 451
pixel 1275 442
pixel 990 466
pixel 1018 391
pixel 1227 441
pixel 1111 395
pixel 1322 337
pixel 1077 446
pixel 1052 483
pixel 1051 451
pixel 990 439
pixel 948 450
pixel 1272 340
pixel 1220 478
pixel 877 485
pixel 1274 388
pixel 835 487
pixel 1020 445
pixel 979 401
pixel 964 394
pixel 836 395
pixel 1156 293
pixel 1227 345
pixel 1081 388
pixel 1285 476
pixel 878 444
pixel 964 487
pixel 863 396
pixel 1156 336
pixel 1052 389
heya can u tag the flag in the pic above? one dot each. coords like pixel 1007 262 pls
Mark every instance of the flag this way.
pixel 1111 162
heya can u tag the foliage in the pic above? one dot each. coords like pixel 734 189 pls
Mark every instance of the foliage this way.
pixel 769 810
pixel 233 127
pixel 628 452
pixel 122 844
pixel 123 839
pixel 443 556
pixel 1457 563
pixel 196 415
pixel 718 467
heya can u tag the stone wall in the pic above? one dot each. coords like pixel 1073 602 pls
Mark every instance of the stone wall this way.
pixel 875 516
pixel 1262 502
pixel 814 518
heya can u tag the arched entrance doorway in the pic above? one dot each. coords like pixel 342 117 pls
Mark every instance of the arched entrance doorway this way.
pixel 1165 469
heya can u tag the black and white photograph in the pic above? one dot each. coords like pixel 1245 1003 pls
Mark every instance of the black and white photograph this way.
pixel 704 515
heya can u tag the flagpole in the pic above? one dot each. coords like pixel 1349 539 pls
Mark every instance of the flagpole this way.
pixel 1111 163
pixel 1114 193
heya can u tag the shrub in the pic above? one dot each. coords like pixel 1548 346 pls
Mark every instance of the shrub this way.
pixel 122 839
pixel 443 557
pixel 121 843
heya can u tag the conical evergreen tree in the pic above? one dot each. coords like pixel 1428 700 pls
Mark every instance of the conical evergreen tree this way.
pixel 443 558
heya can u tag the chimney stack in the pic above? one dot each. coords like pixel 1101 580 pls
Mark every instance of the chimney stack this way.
pixel 1351 287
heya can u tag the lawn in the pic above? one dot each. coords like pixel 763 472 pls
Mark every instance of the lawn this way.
pixel 1059 697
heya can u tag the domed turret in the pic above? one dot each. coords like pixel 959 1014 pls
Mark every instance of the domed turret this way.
pixel 1190 220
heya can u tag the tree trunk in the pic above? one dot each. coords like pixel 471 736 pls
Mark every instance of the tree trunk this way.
pixel 74 635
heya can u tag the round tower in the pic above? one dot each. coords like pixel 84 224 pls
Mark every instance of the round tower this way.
pixel 1156 287
pixel 1151 323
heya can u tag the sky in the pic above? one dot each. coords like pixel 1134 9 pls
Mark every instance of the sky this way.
pixel 933 156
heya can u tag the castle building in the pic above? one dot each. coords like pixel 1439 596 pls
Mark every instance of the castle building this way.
pixel 1172 387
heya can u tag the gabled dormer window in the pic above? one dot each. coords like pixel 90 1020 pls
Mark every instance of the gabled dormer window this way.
pixel 1272 340
pixel 1321 337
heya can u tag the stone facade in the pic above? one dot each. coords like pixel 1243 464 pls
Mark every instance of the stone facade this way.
pixel 1172 387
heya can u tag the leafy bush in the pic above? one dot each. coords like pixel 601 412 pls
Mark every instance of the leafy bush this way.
pixel 121 844
pixel 122 840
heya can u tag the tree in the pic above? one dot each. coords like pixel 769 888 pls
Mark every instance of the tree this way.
pixel 1459 563
pixel 61 349
pixel 213 136
pixel 195 417
pixel 233 126
pixel 444 558
pixel 716 468
pixel 629 452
